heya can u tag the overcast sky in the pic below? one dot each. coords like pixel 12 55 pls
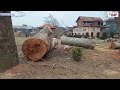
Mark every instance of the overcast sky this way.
pixel 66 18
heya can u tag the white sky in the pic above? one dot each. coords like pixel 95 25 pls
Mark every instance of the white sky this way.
pixel 66 18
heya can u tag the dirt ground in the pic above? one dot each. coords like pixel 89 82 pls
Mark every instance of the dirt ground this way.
pixel 100 63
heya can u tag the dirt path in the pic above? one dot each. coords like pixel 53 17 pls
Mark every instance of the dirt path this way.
pixel 95 64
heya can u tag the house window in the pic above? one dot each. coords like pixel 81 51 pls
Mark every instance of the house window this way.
pixel 98 34
pixel 99 23
pixel 84 29
pixel 91 34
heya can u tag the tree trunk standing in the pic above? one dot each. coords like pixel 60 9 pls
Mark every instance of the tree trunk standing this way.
pixel 86 43
pixel 117 20
pixel 39 45
pixel 8 48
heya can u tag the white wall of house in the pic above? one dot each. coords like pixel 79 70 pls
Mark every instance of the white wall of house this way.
pixel 84 30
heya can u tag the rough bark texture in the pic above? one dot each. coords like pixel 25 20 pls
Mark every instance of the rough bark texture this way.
pixel 8 48
pixel 117 20
pixel 115 45
pixel 35 48
pixel 86 43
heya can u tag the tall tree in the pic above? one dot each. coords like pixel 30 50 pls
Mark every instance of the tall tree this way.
pixel 8 48
pixel 51 20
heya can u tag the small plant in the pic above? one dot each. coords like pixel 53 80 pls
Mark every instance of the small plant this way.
pixel 77 54
pixel 112 34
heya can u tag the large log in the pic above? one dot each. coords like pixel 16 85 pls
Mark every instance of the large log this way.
pixel 39 45
pixel 81 42
pixel 115 45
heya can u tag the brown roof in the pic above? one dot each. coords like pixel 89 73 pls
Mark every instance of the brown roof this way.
pixel 48 25
pixel 83 18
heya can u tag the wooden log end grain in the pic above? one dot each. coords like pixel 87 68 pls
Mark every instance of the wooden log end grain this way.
pixel 34 49
pixel 112 45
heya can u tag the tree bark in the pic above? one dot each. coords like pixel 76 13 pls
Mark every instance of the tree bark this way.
pixel 39 45
pixel 8 48
pixel 115 45
pixel 86 43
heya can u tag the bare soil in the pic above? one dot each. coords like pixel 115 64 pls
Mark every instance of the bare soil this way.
pixel 100 63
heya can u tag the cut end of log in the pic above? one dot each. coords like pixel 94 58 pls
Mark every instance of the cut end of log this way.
pixel 34 49
pixel 112 46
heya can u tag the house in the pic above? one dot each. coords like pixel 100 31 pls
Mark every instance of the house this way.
pixel 111 26
pixel 22 30
pixel 88 26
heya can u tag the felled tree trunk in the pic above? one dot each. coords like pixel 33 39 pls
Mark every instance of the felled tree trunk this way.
pixel 8 48
pixel 86 43
pixel 39 45
pixel 115 45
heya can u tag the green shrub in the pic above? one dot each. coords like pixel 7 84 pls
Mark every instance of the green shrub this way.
pixel 112 34
pixel 104 36
pixel 77 54
pixel 77 36
pixel 70 35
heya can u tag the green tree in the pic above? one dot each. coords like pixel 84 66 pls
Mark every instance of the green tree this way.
pixel 112 34
pixel 104 35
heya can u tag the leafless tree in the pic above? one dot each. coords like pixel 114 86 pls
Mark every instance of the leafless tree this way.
pixel 51 20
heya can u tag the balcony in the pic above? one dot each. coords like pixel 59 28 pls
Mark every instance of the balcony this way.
pixel 85 23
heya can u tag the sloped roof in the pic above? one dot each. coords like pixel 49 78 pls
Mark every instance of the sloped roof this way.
pixel 110 19
pixel 83 18
pixel 48 25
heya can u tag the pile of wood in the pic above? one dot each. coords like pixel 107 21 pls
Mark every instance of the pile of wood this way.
pixel 39 45
pixel 81 42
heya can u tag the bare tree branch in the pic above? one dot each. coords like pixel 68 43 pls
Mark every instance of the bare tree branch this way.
pixel 51 20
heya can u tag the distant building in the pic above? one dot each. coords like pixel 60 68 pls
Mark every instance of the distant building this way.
pixel 69 31
pixel 24 29
pixel 111 26
pixel 88 26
